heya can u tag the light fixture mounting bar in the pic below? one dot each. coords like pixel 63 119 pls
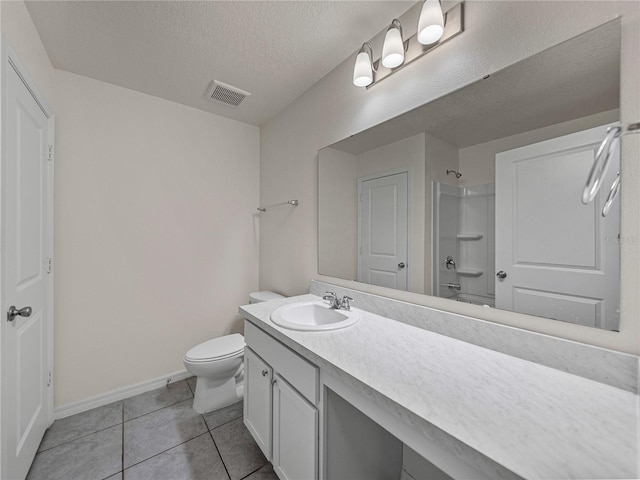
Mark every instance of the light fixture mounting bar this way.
pixel 453 26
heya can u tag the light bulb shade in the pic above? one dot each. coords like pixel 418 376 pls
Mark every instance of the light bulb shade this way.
pixel 393 49
pixel 431 23
pixel 362 72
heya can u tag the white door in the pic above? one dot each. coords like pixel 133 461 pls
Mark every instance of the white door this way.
pixel 383 231
pixel 295 434
pixel 560 257
pixel 257 400
pixel 26 225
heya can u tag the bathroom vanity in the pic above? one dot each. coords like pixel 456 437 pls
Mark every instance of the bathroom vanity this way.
pixel 280 408
pixel 378 398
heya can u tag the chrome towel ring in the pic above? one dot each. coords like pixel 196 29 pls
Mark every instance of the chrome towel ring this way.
pixel 601 163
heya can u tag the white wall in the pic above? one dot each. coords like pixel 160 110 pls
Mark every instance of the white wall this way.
pixel 156 240
pixel 497 34
pixel 338 213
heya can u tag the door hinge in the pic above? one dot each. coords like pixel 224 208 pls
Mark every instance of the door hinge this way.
pixel 50 379
pixel 49 265
pixel 50 154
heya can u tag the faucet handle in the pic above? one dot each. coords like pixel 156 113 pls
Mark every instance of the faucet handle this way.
pixel 331 298
pixel 344 304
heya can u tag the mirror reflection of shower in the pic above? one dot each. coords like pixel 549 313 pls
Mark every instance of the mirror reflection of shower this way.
pixel 463 242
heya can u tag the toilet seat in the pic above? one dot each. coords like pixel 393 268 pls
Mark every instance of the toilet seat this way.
pixel 220 348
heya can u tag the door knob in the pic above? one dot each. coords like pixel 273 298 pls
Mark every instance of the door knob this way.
pixel 501 274
pixel 401 265
pixel 14 312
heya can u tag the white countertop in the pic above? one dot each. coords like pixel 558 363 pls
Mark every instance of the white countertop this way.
pixel 535 421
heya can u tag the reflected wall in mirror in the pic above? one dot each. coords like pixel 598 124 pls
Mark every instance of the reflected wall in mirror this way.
pixel 476 196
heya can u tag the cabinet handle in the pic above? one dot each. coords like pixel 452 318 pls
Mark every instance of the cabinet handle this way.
pixel 265 373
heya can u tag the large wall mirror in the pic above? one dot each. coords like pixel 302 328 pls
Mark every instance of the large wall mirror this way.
pixel 476 196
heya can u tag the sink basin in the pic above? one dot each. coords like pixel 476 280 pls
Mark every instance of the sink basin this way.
pixel 313 316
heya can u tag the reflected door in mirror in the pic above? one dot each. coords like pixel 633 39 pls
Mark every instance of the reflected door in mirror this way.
pixel 383 233
pixel 556 257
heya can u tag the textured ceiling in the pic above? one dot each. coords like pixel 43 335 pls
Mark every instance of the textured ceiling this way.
pixel 273 49
pixel 574 79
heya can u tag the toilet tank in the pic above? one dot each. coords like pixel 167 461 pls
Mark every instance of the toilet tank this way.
pixel 264 296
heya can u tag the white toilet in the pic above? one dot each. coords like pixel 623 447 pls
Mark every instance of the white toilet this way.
pixel 218 365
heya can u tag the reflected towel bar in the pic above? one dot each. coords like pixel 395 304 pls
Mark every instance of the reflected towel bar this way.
pixel 288 202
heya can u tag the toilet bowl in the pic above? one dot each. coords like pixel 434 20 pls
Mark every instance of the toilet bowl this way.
pixel 218 365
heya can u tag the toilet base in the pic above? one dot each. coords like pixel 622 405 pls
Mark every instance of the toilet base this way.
pixel 211 395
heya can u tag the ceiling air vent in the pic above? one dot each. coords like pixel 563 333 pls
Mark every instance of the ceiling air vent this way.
pixel 223 93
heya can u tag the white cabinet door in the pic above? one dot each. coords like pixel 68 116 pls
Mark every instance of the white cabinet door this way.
pixel 257 400
pixel 295 434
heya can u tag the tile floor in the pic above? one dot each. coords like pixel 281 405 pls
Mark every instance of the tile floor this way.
pixel 152 436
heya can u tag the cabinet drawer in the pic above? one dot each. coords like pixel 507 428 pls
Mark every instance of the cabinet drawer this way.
pixel 301 374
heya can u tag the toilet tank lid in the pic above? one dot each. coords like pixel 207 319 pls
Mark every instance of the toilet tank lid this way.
pixel 220 347
pixel 263 296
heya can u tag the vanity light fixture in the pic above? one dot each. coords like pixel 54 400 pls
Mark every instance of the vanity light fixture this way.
pixel 431 23
pixel 393 47
pixel 434 29
pixel 363 71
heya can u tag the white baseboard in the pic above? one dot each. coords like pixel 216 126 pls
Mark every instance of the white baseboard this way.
pixel 117 394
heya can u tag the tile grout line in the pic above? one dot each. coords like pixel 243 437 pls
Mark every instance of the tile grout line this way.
pixel 78 438
pixel 157 410
pixel 164 451
pixel 122 424
pixel 222 424
pixel 122 454
pixel 123 421
pixel 219 454
pixel 257 469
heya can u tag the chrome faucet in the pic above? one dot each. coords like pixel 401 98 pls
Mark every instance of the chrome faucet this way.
pixel 336 303
pixel 332 299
